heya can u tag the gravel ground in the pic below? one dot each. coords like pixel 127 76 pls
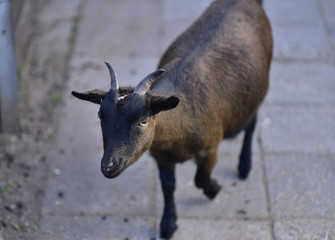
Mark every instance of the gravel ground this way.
pixel 23 158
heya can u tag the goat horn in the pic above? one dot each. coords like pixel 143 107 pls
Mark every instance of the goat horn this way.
pixel 114 84
pixel 145 84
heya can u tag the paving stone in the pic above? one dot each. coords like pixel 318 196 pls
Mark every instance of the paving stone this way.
pixel 304 229
pixel 328 9
pixel 186 10
pixel 301 185
pixel 121 10
pixel 302 83
pixel 67 9
pixel 57 34
pixel 170 31
pixel 96 227
pixel 245 199
pixel 56 30
pixel 89 72
pixel 298 30
pixel 307 10
pixel 199 229
pixel 177 17
pixel 125 27
pixel 297 129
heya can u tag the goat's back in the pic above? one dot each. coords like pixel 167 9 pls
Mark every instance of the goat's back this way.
pixel 219 68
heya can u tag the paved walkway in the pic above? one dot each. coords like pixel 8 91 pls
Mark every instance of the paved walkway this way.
pixel 290 192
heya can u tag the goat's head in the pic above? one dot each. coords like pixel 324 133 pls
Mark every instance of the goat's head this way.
pixel 127 120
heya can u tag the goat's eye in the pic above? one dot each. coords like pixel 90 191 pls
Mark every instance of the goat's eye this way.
pixel 143 123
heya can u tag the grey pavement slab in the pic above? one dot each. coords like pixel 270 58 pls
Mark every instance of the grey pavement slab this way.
pixel 304 229
pixel 200 229
pixel 109 28
pixel 297 129
pixel 96 227
pixel 69 10
pixel 185 10
pixel 170 31
pixel 301 186
pixel 88 72
pixel 298 30
pixel 328 8
pixel 302 83
pixel 177 17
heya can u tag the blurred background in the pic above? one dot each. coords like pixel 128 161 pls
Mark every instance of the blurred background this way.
pixel 51 186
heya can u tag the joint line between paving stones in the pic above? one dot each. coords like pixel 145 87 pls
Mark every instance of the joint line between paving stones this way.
pixel 265 186
pixel 300 154
pixel 73 35
pixel 327 30
pixel 288 60
pixel 227 218
pixel 286 218
pixel 75 27
pixel 301 104
pixel 258 218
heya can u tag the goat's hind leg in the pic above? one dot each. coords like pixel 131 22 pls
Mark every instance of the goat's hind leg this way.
pixel 245 156
pixel 206 161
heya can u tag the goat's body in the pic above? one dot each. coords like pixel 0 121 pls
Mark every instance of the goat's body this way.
pixel 219 69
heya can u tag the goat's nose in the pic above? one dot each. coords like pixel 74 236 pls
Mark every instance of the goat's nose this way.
pixel 115 161
pixel 107 164
pixel 111 166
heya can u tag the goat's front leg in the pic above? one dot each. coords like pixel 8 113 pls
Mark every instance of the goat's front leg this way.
pixel 168 223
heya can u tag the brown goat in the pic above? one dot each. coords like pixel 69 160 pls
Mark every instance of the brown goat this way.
pixel 216 76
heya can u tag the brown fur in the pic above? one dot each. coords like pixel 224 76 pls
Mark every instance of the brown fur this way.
pixel 219 69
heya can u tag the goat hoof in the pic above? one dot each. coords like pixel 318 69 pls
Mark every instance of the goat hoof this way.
pixel 243 173
pixel 213 189
pixel 167 227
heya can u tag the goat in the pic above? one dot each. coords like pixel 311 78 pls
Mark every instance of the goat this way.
pixel 216 76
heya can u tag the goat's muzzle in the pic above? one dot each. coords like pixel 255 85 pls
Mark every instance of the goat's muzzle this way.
pixel 112 167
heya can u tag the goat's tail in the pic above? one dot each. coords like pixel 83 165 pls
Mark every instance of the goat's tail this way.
pixel 260 2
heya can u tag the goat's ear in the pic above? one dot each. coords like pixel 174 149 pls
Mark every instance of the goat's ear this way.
pixel 158 104
pixel 94 96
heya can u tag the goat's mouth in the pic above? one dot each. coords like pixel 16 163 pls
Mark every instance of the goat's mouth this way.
pixel 113 170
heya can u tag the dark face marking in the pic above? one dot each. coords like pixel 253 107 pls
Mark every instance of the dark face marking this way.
pixel 128 131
